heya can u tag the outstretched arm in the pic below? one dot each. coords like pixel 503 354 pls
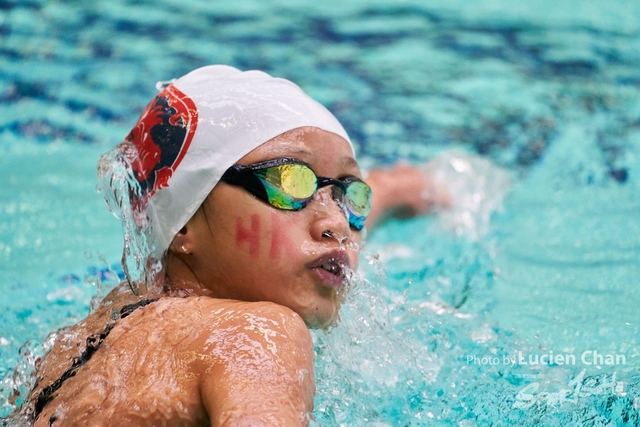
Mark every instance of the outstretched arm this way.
pixel 403 191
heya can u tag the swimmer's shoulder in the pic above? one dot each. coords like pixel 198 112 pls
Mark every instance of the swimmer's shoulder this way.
pixel 211 345
pixel 252 360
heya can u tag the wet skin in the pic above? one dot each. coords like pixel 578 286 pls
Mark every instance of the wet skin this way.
pixel 185 362
pixel 237 351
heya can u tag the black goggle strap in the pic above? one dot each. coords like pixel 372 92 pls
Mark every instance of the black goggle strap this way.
pixel 243 176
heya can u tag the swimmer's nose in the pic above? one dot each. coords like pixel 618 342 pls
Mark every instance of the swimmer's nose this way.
pixel 329 217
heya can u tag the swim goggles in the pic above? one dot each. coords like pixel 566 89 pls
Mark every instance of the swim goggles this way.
pixel 290 184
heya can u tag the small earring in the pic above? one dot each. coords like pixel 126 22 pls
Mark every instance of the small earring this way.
pixel 184 249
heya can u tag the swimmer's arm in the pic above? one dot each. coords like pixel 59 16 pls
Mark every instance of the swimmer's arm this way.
pixel 402 191
pixel 262 373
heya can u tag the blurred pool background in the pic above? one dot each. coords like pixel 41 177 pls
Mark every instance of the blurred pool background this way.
pixel 547 90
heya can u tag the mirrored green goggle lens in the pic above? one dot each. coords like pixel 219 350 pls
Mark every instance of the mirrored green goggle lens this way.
pixel 289 186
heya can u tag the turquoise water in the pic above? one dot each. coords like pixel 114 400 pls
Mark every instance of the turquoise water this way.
pixel 548 90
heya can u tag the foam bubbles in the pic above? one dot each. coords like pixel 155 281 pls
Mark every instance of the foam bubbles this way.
pixel 476 188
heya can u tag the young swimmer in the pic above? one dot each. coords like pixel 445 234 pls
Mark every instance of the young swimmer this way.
pixel 257 207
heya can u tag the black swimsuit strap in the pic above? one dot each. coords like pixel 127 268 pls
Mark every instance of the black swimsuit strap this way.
pixel 93 344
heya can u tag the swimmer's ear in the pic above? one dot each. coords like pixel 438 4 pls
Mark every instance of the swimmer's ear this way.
pixel 181 242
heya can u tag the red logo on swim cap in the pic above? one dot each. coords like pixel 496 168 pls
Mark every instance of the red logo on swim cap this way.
pixel 162 137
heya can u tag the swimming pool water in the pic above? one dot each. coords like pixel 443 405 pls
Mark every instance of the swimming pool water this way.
pixel 547 90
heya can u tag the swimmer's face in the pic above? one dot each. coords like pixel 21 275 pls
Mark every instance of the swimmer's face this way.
pixel 242 248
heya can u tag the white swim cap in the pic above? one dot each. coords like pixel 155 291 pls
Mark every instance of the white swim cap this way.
pixel 203 123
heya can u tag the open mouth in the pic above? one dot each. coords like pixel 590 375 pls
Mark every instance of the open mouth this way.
pixel 331 268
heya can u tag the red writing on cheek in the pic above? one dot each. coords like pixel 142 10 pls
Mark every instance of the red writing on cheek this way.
pixel 251 236
pixel 279 240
